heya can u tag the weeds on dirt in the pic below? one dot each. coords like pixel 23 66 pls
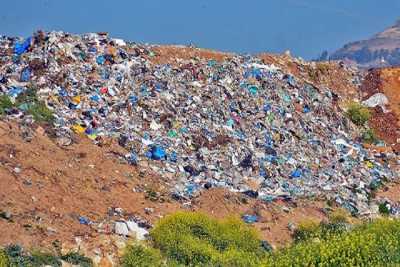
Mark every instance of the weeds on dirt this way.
pixel 369 136
pixel 30 104
pixel 5 103
pixel 15 256
pixel 195 239
pixel 137 255
pixel 3 259
pixel 369 244
pixel 192 239
pixel 358 114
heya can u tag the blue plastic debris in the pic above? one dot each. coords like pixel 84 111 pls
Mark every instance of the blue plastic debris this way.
pixel 84 220
pixel 173 157
pixel 132 158
pixel 290 80
pixel 21 48
pixel 252 89
pixel 156 153
pixel 190 189
pixel 230 123
pixel 92 49
pixel 100 60
pixel 251 193
pixel 296 174
pixel 15 91
pixel 250 218
pixel 62 92
pixel 95 98
pixel 25 75
pixel 133 99
pixel 267 107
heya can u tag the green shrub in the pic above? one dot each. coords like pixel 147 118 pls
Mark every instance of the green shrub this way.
pixel 16 256
pixel 369 136
pixel 371 244
pixel 195 239
pixel 308 230
pixel 75 258
pixel 139 256
pixel 358 114
pixel 305 231
pixel 3 259
pixel 40 112
pixel 30 104
pixel 44 259
pixel 5 103
pixel 338 216
pixel 383 209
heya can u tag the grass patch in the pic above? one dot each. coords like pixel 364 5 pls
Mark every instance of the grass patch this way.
pixel 195 239
pixel 369 136
pixel 338 222
pixel 370 244
pixel 30 104
pixel 4 262
pixel 75 258
pixel 358 114
pixel 15 256
pixel 137 255
pixel 5 103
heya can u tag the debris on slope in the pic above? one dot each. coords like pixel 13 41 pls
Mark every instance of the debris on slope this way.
pixel 383 85
pixel 238 123
pixel 83 197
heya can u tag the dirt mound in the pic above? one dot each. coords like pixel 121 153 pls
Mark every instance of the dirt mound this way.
pixel 174 54
pixel 386 81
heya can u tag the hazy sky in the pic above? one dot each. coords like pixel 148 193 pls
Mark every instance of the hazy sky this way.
pixel 306 27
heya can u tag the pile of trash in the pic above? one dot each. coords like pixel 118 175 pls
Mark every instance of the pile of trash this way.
pixel 238 124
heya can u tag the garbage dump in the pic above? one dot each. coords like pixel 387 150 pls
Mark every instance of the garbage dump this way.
pixel 239 124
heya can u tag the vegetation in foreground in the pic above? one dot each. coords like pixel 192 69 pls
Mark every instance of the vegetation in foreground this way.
pixel 192 239
pixel 15 256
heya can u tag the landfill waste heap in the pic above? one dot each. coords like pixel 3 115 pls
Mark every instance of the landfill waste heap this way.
pixel 239 124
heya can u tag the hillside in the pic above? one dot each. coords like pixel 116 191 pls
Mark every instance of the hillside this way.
pixel 381 50
pixel 97 133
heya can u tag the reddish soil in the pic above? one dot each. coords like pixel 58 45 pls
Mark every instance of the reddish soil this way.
pixel 386 81
pixel 174 54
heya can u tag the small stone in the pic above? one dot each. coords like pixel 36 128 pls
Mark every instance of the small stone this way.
pixel 285 209
pixel 6 215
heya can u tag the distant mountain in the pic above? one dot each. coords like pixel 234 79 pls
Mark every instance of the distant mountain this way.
pixel 382 50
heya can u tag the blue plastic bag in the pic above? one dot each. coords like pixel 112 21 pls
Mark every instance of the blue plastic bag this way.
pixel 25 75
pixel 156 153
pixel 250 218
pixel 21 48
pixel 296 173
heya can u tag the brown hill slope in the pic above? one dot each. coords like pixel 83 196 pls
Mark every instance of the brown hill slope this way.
pixel 382 49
